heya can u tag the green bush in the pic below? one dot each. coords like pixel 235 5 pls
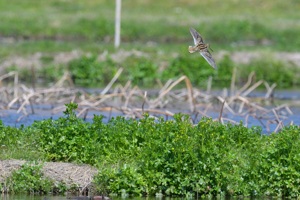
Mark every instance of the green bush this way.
pixel 9 135
pixel 66 139
pixel 87 71
pixel 173 157
pixel 176 158
pixel 284 75
pixel 50 73
pixel 29 179
pixel 142 72
pixel 194 67
pixel 279 169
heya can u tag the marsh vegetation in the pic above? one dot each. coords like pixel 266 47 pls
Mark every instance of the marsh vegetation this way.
pixel 54 52
pixel 152 157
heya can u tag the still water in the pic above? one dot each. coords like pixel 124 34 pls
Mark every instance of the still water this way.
pixel 45 111
pixel 28 197
pixel 14 119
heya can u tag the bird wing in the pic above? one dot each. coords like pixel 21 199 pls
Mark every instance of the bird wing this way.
pixel 208 57
pixel 196 36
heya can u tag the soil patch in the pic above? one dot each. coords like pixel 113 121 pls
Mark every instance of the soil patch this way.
pixel 71 174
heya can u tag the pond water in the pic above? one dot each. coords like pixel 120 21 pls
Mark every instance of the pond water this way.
pixel 31 197
pixel 45 111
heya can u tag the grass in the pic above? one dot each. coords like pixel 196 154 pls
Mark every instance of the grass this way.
pixel 222 23
pixel 149 72
pixel 159 29
pixel 166 157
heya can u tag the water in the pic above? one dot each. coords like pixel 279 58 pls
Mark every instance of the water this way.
pixel 31 197
pixel 45 111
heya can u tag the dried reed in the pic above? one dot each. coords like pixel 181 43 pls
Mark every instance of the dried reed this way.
pixel 132 101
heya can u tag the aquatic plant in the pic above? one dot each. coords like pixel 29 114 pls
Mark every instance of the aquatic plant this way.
pixel 29 179
pixel 172 157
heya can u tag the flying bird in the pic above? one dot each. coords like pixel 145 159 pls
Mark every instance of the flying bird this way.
pixel 201 47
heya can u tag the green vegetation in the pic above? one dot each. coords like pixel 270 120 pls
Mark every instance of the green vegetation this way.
pixel 160 30
pixel 29 178
pixel 148 156
pixel 174 157
pixel 87 71
pixel 225 23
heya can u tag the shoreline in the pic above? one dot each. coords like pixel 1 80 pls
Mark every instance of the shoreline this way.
pixel 79 175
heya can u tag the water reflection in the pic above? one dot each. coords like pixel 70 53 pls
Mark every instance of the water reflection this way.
pixel 31 197
pixel 263 119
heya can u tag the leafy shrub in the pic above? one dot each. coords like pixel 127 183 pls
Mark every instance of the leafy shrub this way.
pixel 9 135
pixel 223 75
pixel 29 178
pixel 50 73
pixel 87 71
pixel 279 172
pixel 142 72
pixel 15 141
pixel 66 139
pixel 272 72
pixel 194 67
pixel 175 157
pixel 198 70
pixel 123 180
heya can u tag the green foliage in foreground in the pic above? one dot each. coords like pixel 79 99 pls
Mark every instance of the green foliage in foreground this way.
pixel 174 157
pixel 29 178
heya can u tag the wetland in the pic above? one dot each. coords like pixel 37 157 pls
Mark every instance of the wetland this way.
pixel 81 117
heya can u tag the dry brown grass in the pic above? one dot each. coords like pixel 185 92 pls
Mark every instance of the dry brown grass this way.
pixel 133 101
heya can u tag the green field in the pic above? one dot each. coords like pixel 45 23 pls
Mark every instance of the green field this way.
pixel 228 24
pixel 159 29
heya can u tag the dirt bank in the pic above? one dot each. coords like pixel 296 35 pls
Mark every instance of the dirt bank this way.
pixel 68 173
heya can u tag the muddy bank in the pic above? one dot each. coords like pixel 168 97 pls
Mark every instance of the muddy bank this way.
pixel 71 174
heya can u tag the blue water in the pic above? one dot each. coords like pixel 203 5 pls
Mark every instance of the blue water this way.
pixel 45 111
pixel 31 197
pixel 41 112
